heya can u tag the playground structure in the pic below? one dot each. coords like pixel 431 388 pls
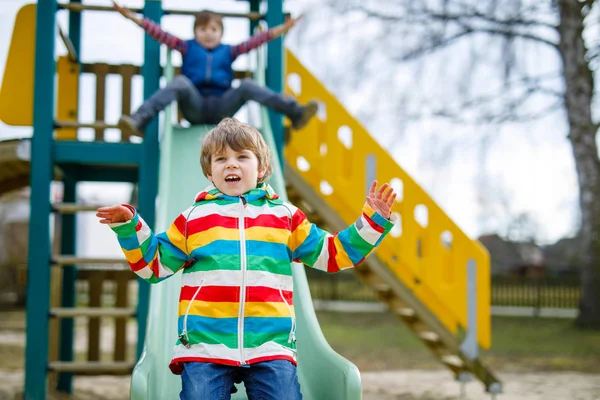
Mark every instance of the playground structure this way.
pixel 432 276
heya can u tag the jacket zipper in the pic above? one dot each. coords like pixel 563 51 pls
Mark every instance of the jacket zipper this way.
pixel 292 336
pixel 208 65
pixel 184 338
pixel 241 227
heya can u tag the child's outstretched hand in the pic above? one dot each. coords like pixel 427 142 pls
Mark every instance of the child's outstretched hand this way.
pixel 113 214
pixel 290 23
pixel 286 26
pixel 381 200
pixel 127 13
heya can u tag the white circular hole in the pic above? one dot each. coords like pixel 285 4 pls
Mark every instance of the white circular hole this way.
pixel 422 215
pixel 294 82
pixel 322 111
pixel 326 188
pixel 447 238
pixel 345 136
pixel 397 229
pixel 398 186
pixel 323 149
pixel 303 164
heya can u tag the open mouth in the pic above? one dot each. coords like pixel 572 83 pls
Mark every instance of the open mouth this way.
pixel 232 179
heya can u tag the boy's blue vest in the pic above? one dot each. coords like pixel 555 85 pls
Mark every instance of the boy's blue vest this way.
pixel 209 70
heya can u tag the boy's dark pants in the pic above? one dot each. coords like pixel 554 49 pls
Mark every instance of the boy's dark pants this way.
pixel 199 109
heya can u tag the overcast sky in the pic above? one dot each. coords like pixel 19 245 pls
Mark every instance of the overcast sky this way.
pixel 529 167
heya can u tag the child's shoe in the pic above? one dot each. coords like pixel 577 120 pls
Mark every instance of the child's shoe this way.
pixel 129 125
pixel 308 111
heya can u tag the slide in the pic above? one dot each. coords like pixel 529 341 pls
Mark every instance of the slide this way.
pixel 323 373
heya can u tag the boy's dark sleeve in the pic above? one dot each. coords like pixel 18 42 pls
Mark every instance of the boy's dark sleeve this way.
pixel 171 41
pixel 255 41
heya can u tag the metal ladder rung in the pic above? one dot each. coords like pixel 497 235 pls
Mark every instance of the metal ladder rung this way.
pixel 72 208
pixel 406 312
pixel 453 361
pixel 456 365
pixel 92 312
pixel 72 260
pixel 75 124
pixel 430 337
pixel 94 367
pixel 382 287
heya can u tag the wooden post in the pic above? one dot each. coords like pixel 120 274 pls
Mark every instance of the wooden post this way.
pixel 100 70
pixel 96 282
pixel 122 279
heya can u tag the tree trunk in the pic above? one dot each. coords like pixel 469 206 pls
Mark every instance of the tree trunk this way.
pixel 579 91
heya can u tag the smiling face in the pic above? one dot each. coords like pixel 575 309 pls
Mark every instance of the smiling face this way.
pixel 235 172
pixel 235 157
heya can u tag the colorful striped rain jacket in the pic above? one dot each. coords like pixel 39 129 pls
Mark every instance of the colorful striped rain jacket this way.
pixel 236 304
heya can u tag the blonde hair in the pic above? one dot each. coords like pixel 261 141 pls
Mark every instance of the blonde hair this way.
pixel 238 136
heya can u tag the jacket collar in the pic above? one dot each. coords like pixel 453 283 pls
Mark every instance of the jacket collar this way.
pixel 262 190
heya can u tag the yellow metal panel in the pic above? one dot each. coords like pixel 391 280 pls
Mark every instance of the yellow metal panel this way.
pixel 437 273
pixel 68 89
pixel 16 94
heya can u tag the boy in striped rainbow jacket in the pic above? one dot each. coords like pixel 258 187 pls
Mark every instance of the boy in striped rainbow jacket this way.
pixel 235 245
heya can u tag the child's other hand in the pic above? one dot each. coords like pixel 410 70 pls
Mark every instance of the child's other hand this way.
pixel 113 214
pixel 126 12
pixel 286 26
pixel 381 200
pixel 289 23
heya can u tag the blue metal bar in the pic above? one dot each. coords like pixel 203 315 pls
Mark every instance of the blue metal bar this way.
pixel 68 241
pixel 274 77
pixel 38 265
pixel 254 7
pixel 148 182
pixel 75 29
pixel 68 246
pixel 97 153
pixel 100 173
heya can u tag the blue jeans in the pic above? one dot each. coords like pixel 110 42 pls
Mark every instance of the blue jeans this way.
pixel 199 109
pixel 269 380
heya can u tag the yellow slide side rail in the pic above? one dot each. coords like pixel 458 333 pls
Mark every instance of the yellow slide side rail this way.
pixel 16 94
pixel 338 157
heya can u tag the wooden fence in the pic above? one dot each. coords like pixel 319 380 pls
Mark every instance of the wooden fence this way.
pixel 547 292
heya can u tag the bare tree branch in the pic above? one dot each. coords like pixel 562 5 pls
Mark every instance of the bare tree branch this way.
pixel 436 44
pixel 586 6
pixel 508 114
pixel 440 43
pixel 469 16
pixel 510 34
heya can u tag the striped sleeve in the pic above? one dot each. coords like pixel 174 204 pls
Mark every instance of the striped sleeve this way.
pixel 152 257
pixel 171 41
pixel 345 249
pixel 255 41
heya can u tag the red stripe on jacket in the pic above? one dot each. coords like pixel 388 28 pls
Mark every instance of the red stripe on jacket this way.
pixel 332 265
pixel 202 224
pixel 231 294
pixel 373 224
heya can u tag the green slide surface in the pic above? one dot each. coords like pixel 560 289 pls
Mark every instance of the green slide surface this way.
pixel 323 374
